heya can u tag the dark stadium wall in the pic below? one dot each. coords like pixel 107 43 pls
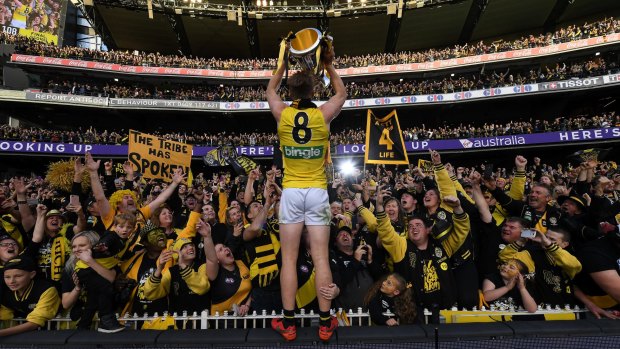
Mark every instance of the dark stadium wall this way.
pixel 16 78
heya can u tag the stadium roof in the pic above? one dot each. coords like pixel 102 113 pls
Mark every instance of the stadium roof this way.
pixel 437 25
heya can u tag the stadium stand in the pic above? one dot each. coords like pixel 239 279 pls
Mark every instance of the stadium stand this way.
pixel 148 203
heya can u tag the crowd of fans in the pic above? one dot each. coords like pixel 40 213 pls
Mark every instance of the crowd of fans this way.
pixel 91 239
pixel 40 16
pixel 403 240
pixel 350 135
pixel 569 33
pixel 368 89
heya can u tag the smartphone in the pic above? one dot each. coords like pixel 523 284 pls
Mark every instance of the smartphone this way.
pixel 32 202
pixel 74 200
pixel 528 233
pixel 488 171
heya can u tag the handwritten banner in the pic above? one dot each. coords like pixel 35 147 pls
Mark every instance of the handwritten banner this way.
pixel 156 157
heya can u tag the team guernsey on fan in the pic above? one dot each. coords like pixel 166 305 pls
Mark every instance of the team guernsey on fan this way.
pixel 515 228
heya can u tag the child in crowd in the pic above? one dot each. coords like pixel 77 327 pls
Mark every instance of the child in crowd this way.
pixel 27 296
pixel 100 293
pixel 392 294
pixel 500 286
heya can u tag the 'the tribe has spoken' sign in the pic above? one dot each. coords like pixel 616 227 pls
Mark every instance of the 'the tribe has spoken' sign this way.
pixel 156 157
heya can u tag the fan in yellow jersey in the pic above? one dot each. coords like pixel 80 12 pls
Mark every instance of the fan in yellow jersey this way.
pixel 107 253
pixel 303 130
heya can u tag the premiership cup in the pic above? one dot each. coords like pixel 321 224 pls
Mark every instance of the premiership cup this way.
pixel 305 51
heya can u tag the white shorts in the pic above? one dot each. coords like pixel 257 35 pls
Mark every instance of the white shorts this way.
pixel 308 205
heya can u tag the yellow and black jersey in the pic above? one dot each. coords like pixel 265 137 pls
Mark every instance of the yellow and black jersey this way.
pixel 53 253
pixel 38 304
pixel 430 270
pixel 554 270
pixel 107 252
pixel 304 141
pixel 230 287
pixel 186 289
pixel 263 256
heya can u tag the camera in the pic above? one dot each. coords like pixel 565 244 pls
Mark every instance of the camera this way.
pixel 528 233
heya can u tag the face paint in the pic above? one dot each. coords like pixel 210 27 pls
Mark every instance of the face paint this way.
pixel 155 236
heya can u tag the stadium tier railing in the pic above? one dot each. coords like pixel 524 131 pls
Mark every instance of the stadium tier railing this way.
pixel 529 53
pixel 36 96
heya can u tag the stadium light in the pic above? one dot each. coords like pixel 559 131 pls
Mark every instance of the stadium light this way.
pixel 279 9
pixel 347 168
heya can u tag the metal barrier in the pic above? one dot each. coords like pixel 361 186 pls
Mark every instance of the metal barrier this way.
pixel 494 314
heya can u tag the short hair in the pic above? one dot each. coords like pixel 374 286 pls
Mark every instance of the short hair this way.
pixel 427 222
pixel 545 186
pixel 566 236
pixel 301 84
pixel 523 222
pixel 125 218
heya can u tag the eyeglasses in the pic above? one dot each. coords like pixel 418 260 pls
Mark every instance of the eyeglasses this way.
pixel 8 244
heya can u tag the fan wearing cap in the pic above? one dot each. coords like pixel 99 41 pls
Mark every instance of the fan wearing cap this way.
pixel 357 267
pixel 141 266
pixel 182 206
pixel 51 238
pixel 554 266
pixel 185 284
pixel 29 297
pixel 577 219
pixel 408 201
pixel 94 218
pixel 125 200
pixel 421 258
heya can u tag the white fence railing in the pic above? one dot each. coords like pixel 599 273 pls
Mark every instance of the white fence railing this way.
pixel 205 320
pixel 227 320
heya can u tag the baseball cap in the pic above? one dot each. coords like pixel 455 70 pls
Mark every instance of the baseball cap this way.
pixel 21 263
pixel 53 213
pixel 179 243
